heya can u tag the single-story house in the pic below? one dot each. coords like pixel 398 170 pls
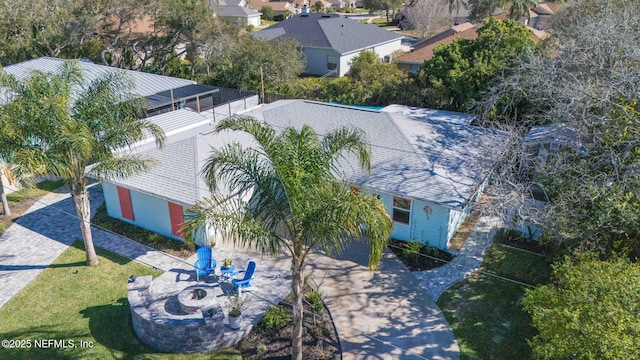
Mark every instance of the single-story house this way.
pixel 331 41
pixel 428 167
pixel 236 12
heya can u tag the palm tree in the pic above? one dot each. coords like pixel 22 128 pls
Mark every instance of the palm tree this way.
pixel 56 124
pixel 287 198
pixel 5 171
pixel 519 9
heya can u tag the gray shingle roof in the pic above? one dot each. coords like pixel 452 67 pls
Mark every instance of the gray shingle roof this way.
pixel 342 34
pixel 236 11
pixel 144 84
pixel 438 159
pixel 175 175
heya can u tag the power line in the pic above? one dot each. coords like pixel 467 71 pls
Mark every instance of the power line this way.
pixel 461 267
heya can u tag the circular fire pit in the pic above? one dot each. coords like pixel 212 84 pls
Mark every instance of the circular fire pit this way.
pixel 196 297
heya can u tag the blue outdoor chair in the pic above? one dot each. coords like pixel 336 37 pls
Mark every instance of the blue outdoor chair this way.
pixel 245 282
pixel 205 264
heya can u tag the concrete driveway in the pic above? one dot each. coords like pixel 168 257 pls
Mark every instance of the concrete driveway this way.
pixel 384 314
pixel 378 315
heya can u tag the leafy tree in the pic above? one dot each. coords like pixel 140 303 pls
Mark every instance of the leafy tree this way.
pixel 267 12
pixel 318 7
pixel 296 202
pixel 389 6
pixel 369 81
pixel 61 28
pixel 460 71
pixel 589 312
pixel 247 62
pixel 54 124
pixel 481 9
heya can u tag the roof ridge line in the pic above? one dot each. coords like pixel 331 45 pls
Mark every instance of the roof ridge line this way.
pixel 406 138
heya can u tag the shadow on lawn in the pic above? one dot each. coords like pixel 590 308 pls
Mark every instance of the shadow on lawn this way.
pixel 110 325
pixel 51 344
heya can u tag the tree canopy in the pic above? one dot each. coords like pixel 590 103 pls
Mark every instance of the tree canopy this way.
pixel 590 311
pixel 460 71
pixel 247 62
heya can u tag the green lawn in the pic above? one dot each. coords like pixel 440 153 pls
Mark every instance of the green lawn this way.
pixel 486 312
pixel 71 302
pixel 41 189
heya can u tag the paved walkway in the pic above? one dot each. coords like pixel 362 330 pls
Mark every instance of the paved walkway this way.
pixel 437 280
pixel 379 315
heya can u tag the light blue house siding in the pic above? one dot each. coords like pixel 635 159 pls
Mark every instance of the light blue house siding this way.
pixel 429 223
pixel 151 213
pixel 318 60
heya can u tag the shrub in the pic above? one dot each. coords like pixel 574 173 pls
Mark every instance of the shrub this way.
pixel 412 249
pixel 314 298
pixel 276 317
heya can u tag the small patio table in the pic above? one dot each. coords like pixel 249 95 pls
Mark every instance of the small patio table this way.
pixel 227 273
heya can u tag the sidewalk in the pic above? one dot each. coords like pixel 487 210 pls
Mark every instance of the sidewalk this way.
pixel 436 281
pixel 46 230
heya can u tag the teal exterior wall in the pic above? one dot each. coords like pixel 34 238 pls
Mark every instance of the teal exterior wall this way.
pixel 149 212
pixel 428 222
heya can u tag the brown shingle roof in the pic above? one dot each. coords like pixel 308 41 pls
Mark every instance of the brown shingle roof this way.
pixel 425 52
pixel 274 5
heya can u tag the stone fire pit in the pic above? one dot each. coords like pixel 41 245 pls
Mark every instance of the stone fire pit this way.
pixel 196 297
pixel 187 322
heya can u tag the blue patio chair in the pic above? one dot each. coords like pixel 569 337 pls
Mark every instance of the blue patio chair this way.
pixel 245 282
pixel 205 264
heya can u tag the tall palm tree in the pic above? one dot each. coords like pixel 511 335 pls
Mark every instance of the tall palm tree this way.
pixel 56 124
pixel 287 198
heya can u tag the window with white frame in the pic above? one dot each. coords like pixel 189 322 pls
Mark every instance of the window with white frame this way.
pixel 332 62
pixel 401 210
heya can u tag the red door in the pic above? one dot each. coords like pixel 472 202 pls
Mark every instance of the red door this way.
pixel 126 209
pixel 176 215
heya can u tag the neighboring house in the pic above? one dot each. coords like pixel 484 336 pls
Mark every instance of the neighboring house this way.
pixel 423 50
pixel 278 7
pixel 236 12
pixel 238 15
pixel 331 41
pixel 341 4
pixel 428 167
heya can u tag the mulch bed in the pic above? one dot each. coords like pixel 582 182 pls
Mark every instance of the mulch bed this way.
pixel 427 258
pixel 319 340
